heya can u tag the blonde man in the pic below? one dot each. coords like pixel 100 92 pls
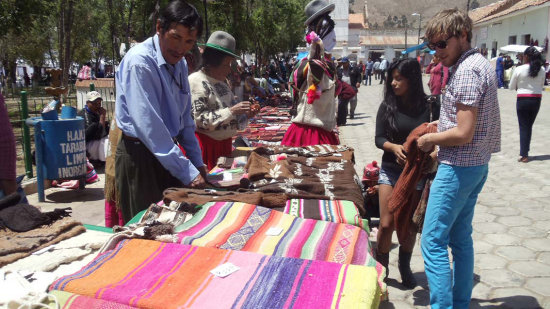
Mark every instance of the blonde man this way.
pixel 468 133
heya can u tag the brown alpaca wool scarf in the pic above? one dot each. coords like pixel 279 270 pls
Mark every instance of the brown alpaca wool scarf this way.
pixel 405 197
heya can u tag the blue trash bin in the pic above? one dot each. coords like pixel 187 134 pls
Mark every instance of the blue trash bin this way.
pixel 60 150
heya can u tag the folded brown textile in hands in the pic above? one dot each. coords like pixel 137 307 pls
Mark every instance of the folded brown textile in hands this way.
pixel 404 198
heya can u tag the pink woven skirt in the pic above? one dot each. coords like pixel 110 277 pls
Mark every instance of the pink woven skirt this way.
pixel 299 135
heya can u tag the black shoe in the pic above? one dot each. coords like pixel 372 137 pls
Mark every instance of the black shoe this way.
pixel 384 260
pixel 351 116
pixel 404 265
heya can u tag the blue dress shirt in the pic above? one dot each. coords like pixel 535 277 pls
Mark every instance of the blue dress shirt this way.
pixel 153 104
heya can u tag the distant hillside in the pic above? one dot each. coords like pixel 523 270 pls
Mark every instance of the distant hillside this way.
pixel 379 10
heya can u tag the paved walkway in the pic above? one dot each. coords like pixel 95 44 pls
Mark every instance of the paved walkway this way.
pixel 511 223
pixel 512 217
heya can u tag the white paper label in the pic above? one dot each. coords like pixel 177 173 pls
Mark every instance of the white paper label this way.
pixel 227 176
pixel 274 231
pixel 224 270
pixel 337 154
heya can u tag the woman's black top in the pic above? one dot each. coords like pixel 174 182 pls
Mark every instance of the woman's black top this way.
pixel 406 121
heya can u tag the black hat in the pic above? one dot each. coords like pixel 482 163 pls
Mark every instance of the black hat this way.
pixel 317 8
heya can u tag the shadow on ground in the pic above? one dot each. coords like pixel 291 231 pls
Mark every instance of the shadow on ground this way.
pixel 361 117
pixel 71 196
pixel 539 158
pixel 353 124
pixel 510 302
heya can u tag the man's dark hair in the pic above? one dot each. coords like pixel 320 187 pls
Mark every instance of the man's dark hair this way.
pixel 180 12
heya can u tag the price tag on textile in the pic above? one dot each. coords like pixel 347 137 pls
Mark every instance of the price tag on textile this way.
pixel 224 270
pixel 274 231
pixel 227 176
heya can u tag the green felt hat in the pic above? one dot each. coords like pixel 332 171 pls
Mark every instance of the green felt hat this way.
pixel 222 41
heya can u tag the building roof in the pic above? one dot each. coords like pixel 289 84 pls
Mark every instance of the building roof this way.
pixel 502 8
pixel 386 40
pixel 98 83
pixel 356 21
pixel 482 12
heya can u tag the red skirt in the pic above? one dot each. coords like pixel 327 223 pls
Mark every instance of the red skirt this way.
pixel 112 215
pixel 213 149
pixel 299 135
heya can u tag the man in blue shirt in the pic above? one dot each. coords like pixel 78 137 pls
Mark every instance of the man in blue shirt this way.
pixel 368 71
pixel 153 110
pixel 500 70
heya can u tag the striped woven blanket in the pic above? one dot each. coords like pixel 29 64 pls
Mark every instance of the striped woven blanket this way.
pixel 246 227
pixel 151 274
pixel 326 210
pixel 68 300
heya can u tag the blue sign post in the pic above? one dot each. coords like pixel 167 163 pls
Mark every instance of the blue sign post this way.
pixel 60 150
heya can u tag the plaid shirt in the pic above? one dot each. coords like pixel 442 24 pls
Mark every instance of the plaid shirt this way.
pixel 473 83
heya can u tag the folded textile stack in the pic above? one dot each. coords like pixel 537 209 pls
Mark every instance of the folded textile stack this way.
pixel 151 274
pixel 246 227
pixel 268 127
pixel 71 300
pixel 323 178
pixel 14 246
pixel 326 210
pixel 24 229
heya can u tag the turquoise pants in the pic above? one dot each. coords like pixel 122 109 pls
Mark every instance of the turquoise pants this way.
pixel 448 223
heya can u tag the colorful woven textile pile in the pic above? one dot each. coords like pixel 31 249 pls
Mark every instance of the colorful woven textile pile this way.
pixel 326 210
pixel 268 127
pixel 323 178
pixel 246 227
pixel 151 274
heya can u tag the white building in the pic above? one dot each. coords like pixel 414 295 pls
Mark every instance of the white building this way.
pixel 340 15
pixel 522 22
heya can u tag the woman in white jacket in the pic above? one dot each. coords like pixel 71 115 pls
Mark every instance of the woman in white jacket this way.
pixel 528 80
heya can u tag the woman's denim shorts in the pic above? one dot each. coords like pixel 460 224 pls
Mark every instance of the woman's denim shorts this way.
pixel 389 173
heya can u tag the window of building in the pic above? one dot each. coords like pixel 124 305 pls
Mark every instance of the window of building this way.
pixel 512 39
pixel 526 39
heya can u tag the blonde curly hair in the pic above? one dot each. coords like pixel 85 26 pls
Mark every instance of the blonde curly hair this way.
pixel 451 22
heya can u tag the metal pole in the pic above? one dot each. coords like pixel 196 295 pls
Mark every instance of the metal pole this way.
pixel 39 143
pixel 419 26
pixel 26 134
pixel 206 34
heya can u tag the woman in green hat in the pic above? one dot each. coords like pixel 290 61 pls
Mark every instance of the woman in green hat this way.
pixel 217 114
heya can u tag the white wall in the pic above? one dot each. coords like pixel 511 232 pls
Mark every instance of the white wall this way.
pixel 340 15
pixel 535 23
pixel 353 37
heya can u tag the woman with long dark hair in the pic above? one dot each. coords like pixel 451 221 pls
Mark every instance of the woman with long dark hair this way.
pixel 404 108
pixel 528 81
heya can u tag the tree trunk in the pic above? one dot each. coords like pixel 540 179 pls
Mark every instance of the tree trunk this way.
pixel 112 27
pixel 67 57
pixel 155 16
pixel 37 75
pixel 61 35
pixel 128 27
pixel 12 67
